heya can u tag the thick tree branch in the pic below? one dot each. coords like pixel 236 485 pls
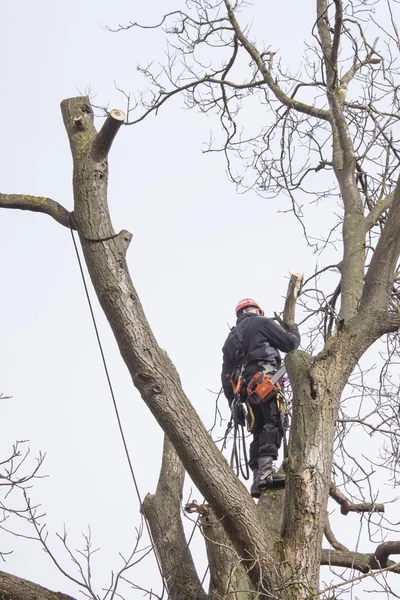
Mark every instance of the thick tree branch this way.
pixel 228 573
pixel 377 211
pixel 152 374
pixel 163 513
pixel 336 35
pixel 295 283
pixel 380 275
pixel 367 327
pixel 308 468
pixel 37 204
pixel 270 508
pixel 344 164
pixel 365 563
pixel 383 552
pixel 325 37
pixel 347 506
pixel 105 137
pixel 14 588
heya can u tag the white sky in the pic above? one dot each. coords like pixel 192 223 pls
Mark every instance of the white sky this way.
pixel 197 248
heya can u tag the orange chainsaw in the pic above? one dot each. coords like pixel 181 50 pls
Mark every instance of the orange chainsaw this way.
pixel 263 386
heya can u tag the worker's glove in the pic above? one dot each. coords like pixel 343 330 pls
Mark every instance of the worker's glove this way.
pixel 289 328
pixel 292 328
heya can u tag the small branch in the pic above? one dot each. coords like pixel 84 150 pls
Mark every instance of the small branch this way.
pixel 295 282
pixel 104 139
pixel 330 311
pixel 347 506
pixel 331 538
pixel 123 240
pixel 338 266
pixel 37 204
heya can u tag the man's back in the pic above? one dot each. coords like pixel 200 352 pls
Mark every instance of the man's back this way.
pixel 261 340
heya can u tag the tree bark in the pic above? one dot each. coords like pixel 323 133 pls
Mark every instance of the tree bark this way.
pixel 228 573
pixel 163 513
pixel 380 275
pixel 15 588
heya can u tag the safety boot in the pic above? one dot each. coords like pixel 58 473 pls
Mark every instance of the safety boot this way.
pixel 254 490
pixel 265 471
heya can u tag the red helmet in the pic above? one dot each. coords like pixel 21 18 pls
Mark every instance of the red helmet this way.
pixel 245 303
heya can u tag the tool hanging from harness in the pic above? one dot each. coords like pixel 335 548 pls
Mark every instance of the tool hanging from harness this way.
pixel 238 412
pixel 237 422
pixel 265 385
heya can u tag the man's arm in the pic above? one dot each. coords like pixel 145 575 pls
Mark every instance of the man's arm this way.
pixel 285 340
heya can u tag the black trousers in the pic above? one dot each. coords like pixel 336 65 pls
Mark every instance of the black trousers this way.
pixel 267 432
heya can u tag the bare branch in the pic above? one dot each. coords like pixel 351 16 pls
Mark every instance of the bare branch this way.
pixel 265 72
pixel 105 137
pixel 331 538
pixel 365 563
pixel 381 272
pixel 383 552
pixel 346 506
pixel 295 282
pixel 336 34
pixel 37 204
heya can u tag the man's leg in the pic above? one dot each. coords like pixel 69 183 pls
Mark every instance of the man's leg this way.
pixel 255 449
pixel 269 441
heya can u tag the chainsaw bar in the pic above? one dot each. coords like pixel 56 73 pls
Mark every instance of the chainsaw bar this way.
pixel 279 373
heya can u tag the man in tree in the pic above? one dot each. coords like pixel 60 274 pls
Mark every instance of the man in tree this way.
pixel 253 346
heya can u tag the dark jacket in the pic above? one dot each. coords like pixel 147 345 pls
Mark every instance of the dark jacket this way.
pixel 262 338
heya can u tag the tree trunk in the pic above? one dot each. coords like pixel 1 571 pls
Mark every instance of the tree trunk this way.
pixel 151 372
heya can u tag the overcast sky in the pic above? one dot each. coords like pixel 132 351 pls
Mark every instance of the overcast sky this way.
pixel 197 248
